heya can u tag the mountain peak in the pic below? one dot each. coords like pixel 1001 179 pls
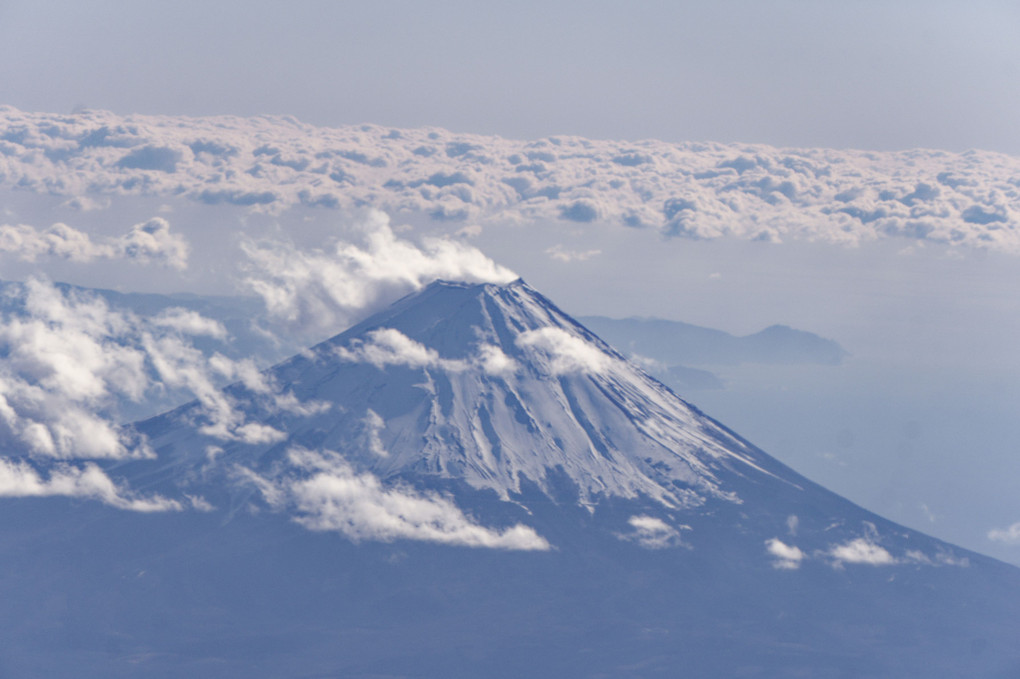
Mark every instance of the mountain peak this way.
pixel 496 386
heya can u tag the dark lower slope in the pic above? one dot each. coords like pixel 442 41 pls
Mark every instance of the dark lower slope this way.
pixel 94 592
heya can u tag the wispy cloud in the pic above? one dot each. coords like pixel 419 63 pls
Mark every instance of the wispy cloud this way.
pixel 68 362
pixel 332 496
pixel 562 353
pixel 387 346
pixel 562 254
pixel 20 479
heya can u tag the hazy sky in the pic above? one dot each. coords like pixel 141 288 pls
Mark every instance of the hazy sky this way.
pixel 865 74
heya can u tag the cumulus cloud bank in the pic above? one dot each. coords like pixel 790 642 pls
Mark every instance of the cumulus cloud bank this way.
pixel 147 242
pixel 692 190
pixel 324 289
pixel 335 497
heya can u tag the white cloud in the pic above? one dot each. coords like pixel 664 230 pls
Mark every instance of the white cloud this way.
pixel 651 533
pixel 319 289
pixel 334 497
pixel 147 242
pixel 68 362
pixel 564 353
pixel 20 479
pixel 862 551
pixel 374 425
pixel 387 346
pixel 734 191
pixel 152 241
pixel 786 557
pixel 189 322
pixel 494 362
pixel 1009 535
pixel 560 253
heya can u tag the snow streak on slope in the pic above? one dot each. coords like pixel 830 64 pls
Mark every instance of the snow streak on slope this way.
pixel 697 190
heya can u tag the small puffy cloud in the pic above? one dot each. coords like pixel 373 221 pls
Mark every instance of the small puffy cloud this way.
pixel 862 551
pixel 785 557
pixel 20 479
pixel 1009 535
pixel 188 322
pixel 560 253
pixel 323 289
pixel 651 533
pixel 149 241
pixel 334 497
pixel 493 361
pixel 563 352
pixel 152 241
pixel 386 346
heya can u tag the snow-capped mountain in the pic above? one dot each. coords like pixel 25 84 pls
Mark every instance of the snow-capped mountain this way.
pixel 615 530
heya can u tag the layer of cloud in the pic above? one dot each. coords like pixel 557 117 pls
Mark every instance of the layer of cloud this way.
pixel 691 190
pixel 324 289
pixel 20 479
pixel 145 243
pixel 334 497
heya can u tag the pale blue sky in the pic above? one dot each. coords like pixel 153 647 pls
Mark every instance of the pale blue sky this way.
pixel 865 74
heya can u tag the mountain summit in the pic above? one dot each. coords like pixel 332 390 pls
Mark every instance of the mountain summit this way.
pixel 475 388
pixel 470 483
pixel 494 385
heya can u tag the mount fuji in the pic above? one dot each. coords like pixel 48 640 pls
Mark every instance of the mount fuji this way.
pixel 471 484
